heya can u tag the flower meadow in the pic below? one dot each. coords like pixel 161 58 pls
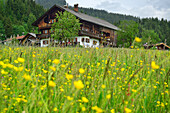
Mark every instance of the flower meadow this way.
pixel 89 80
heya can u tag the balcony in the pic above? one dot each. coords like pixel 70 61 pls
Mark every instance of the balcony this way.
pixel 48 26
pixel 42 36
pixel 90 34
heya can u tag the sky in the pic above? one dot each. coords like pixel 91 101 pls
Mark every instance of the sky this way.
pixel 139 8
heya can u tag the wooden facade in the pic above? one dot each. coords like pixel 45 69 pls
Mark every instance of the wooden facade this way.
pixel 91 26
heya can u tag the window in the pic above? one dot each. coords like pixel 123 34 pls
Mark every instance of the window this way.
pixel 52 20
pixel 87 40
pixel 45 42
pixel 82 39
pixel 86 29
pixel 46 31
pixel 94 42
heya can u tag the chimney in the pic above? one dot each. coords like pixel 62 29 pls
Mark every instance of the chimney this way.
pixel 76 7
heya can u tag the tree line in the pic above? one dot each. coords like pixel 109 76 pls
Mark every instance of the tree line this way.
pixel 16 17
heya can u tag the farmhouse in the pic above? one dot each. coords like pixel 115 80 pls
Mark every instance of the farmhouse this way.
pixel 94 31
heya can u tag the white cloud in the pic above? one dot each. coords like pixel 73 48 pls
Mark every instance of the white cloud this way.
pixel 140 8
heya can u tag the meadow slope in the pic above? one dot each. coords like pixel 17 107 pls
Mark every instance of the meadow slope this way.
pixel 72 80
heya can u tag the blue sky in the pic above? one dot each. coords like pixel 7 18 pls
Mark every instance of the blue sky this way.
pixel 139 8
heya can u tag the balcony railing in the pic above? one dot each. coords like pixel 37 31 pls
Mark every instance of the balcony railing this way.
pixel 43 35
pixel 45 26
pixel 87 33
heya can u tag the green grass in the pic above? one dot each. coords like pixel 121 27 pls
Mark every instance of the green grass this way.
pixel 126 73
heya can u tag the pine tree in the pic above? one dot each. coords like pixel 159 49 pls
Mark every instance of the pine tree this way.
pixel 8 27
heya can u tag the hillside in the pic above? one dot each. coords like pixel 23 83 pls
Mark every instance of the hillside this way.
pixel 48 3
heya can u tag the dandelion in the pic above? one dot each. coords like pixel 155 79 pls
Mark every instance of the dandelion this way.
pixel 16 61
pixel 103 86
pixel 133 90
pixel 33 56
pixel 61 89
pixel 98 110
pixel 78 84
pixel 52 68
pixel 127 110
pixel 84 99
pixel 155 87
pixel 56 61
pixel 55 109
pixel 27 77
pixel 113 111
pixel 122 69
pixel 137 39
pixel 63 66
pixel 81 70
pixel 108 96
pixel 69 98
pixel 4 72
pixel 51 84
pixel 162 104
pixel 69 76
pixel 154 66
pixel 22 60
pixel 83 109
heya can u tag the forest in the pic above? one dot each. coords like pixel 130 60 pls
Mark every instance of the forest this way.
pixel 16 17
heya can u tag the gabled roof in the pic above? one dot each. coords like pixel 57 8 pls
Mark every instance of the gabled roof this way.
pixel 81 16
pixel 19 37
pixel 163 45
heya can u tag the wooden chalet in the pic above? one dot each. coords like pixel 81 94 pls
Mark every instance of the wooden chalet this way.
pixel 92 27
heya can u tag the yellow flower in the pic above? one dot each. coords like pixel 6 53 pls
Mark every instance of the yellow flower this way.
pixel 81 70
pixel 56 61
pixel 61 89
pixel 131 47
pixel 103 86
pixel 144 79
pixel 52 68
pixel 16 61
pixel 10 65
pixel 69 76
pixel 84 99
pixel 108 96
pixel 49 60
pixel 69 98
pixel 137 39
pixel 98 110
pixel 27 77
pixel 78 84
pixel 4 72
pixel 133 90
pixel 154 66
pixel 122 69
pixel 21 60
pixel 63 66
pixel 83 109
pixel 113 111
pixel 127 110
pixel 51 84
pixel 33 56
pixel 55 109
